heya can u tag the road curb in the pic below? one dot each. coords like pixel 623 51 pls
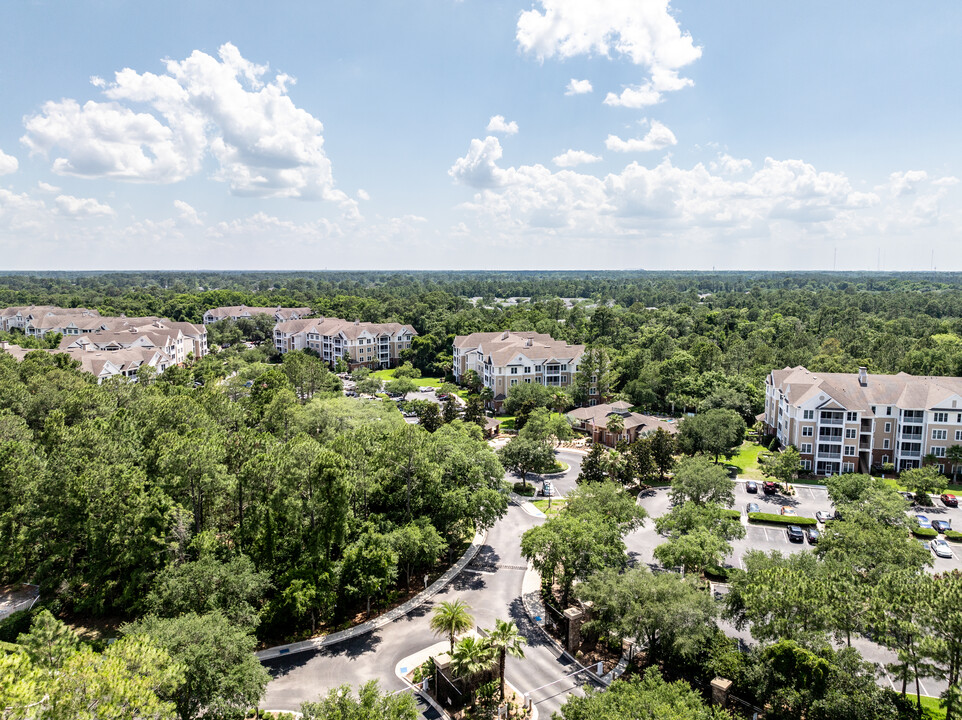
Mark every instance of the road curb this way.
pixel 390 616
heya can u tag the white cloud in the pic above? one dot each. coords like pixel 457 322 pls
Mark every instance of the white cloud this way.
pixel 229 107
pixel 479 168
pixel 905 183
pixel 643 31
pixel 571 158
pixel 658 138
pixel 70 206
pixel 578 87
pixel 47 187
pixel 363 194
pixel 658 201
pixel 728 165
pixel 497 124
pixel 8 163
pixel 187 215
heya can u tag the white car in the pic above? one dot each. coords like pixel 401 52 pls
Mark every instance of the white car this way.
pixel 547 489
pixel 941 548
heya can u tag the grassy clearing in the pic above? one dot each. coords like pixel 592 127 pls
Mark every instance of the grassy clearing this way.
pixel 747 460
pixel 954 489
pixel 932 705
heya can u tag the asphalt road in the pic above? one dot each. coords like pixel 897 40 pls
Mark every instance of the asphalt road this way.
pixel 490 585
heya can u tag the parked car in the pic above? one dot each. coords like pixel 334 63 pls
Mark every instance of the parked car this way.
pixel 950 500
pixel 733 471
pixel 823 516
pixel 942 525
pixel 908 496
pixel 753 507
pixel 941 548
pixel 812 535
pixel 923 521
pixel 769 487
pixel 547 489
pixel 751 486
pixel 788 511
pixel 795 533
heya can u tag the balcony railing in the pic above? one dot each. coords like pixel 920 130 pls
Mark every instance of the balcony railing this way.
pixel 911 436
pixel 911 453
pixel 830 421
pixel 830 455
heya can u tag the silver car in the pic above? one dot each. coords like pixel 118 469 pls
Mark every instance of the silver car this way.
pixel 941 548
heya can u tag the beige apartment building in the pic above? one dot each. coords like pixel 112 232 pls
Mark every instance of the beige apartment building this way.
pixel 238 312
pixel 852 422
pixel 372 345
pixel 504 359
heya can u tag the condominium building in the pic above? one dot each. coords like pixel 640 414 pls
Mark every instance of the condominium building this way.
pixel 238 312
pixel 38 320
pixel 104 364
pixel 504 359
pixel 372 345
pixel 852 422
pixel 178 340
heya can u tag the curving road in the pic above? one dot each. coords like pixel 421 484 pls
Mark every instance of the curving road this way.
pixel 491 585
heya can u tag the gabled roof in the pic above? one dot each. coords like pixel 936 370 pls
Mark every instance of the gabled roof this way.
pixel 503 348
pixel 598 415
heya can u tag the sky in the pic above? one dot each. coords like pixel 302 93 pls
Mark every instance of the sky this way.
pixel 480 134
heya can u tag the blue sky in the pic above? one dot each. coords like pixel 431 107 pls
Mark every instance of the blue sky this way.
pixel 480 134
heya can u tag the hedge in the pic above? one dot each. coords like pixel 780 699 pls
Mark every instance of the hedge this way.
pixel 781 519
pixel 717 572
pixel 733 514
pixel 954 535
pixel 921 532
pixel 524 489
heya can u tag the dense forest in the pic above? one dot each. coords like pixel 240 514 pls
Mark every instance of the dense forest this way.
pixel 243 498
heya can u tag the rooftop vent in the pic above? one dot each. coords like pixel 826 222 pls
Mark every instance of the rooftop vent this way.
pixel 863 376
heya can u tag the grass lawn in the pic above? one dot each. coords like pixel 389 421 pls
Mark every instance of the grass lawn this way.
pixel 556 506
pixel 747 460
pixel 892 482
pixel 932 705
pixel 388 375
pixel 507 421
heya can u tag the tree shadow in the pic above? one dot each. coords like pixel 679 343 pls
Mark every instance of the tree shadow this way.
pixel 355 647
pixel 533 634
pixel 467 580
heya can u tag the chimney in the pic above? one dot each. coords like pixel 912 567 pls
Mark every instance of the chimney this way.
pixel 863 376
pixel 357 322
pixel 527 343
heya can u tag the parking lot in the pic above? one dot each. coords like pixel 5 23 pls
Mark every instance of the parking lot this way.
pixel 806 502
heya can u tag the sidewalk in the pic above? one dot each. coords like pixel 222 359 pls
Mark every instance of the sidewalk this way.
pixel 382 620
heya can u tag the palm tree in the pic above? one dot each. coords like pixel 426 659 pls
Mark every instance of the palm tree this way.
pixel 470 656
pixel 560 401
pixel 451 618
pixel 505 639
pixel 615 425
pixel 954 456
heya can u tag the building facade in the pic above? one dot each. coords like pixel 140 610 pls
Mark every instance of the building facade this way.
pixel 853 422
pixel 238 312
pixel 360 344
pixel 593 420
pixel 504 359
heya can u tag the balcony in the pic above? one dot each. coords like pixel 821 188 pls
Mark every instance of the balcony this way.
pixel 910 453
pixel 865 444
pixel 831 421
pixel 915 436
pixel 830 455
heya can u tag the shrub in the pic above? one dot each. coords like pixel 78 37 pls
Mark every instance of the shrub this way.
pixel 780 519
pixel 524 489
pixel 733 514
pixel 717 573
pixel 921 532
pixel 954 536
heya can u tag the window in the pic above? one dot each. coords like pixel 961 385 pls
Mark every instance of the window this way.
pixel 958 418
pixel 850 433
pixel 940 417
pixel 806 448
pixel 514 382
pixel 849 449
pixel 808 431
pixel 937 450
pixel 885 458
pixel 851 416
pixel 940 434
pixel 942 469
pixel 885 444
pixel 888 427
pixel 808 414
pixel 514 371
pixel 958 435
pixel 848 467
pixel 873 410
pixel 888 410
pixel 527 370
pixel 563 368
pixel 806 464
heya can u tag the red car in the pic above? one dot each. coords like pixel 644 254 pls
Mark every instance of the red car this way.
pixel 950 500
pixel 770 487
